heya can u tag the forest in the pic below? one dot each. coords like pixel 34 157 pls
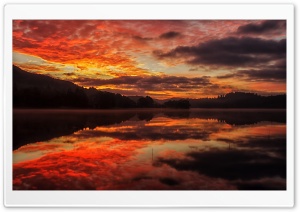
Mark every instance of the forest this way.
pixel 40 91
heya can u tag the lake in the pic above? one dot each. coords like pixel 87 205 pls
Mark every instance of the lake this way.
pixel 150 149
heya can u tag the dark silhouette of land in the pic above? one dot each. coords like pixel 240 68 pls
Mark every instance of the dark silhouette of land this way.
pixel 40 91
pixel 241 100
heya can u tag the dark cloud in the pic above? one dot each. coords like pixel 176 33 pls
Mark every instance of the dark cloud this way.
pixel 69 74
pixel 229 51
pixel 227 76
pixel 263 27
pixel 281 63
pixel 25 44
pixel 224 59
pixel 151 83
pixel 269 75
pixel 40 29
pixel 142 38
pixel 265 75
pixel 169 35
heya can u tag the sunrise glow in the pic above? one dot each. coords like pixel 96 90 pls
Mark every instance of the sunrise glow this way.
pixel 159 58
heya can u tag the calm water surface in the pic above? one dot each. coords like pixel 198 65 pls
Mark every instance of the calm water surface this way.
pixel 192 149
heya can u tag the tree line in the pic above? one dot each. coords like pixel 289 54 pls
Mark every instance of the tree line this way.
pixel 34 97
pixel 40 91
pixel 241 100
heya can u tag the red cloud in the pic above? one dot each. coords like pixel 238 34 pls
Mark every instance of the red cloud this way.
pixel 126 47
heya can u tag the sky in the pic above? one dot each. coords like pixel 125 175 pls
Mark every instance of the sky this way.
pixel 159 58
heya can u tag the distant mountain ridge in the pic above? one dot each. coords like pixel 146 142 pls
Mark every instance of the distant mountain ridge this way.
pixel 24 79
pixel 240 100
pixel 39 91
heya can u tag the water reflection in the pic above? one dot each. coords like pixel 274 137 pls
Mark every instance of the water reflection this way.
pixel 150 150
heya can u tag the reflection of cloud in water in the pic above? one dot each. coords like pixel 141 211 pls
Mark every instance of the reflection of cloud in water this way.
pixel 89 165
pixel 161 128
pixel 246 168
pixel 190 152
pixel 109 165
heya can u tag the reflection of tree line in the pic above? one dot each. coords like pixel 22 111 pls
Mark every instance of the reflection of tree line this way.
pixel 32 126
pixel 233 117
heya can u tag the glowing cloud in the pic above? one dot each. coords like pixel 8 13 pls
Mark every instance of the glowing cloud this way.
pixel 88 52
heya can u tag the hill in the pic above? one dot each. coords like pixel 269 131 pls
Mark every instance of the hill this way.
pixel 40 91
pixel 240 100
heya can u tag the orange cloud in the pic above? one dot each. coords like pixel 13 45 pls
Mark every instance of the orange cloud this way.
pixel 105 49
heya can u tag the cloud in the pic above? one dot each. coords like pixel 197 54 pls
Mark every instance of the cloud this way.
pixel 230 51
pixel 164 36
pixel 169 35
pixel 89 44
pixel 70 74
pixel 227 76
pixel 160 87
pixel 264 75
pixel 21 43
pixel 263 27
pixel 272 74
pixel 153 83
pixel 142 38
pixel 114 48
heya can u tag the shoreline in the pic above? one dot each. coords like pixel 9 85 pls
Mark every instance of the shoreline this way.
pixel 86 110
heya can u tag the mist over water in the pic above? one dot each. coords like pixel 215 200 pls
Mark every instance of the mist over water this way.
pixel 157 149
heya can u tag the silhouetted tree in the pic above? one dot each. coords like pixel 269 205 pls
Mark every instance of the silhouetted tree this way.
pixel 39 91
pixel 243 100
pixel 182 103
pixel 145 102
